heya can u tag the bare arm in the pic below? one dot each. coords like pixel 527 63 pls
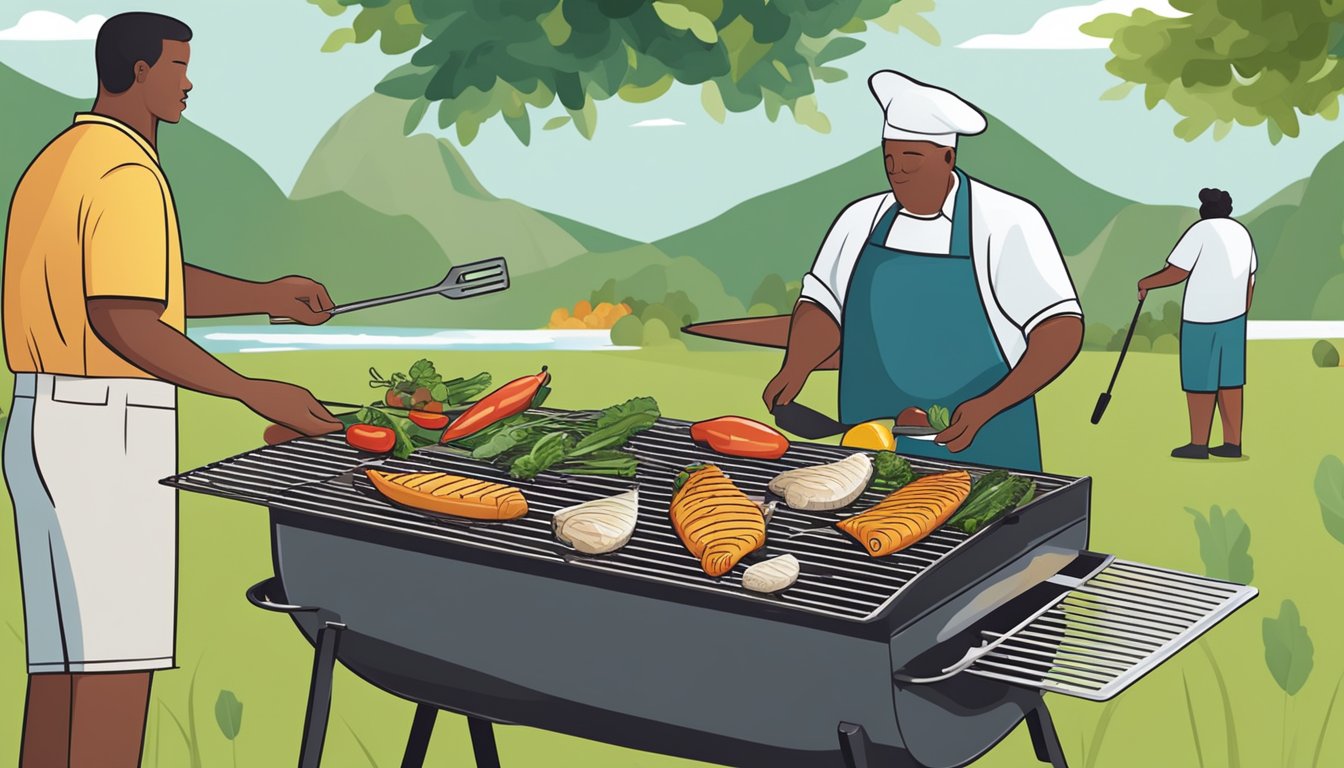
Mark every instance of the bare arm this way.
pixel 132 329
pixel 1171 275
pixel 1250 294
pixel 814 337
pixel 210 294
pixel 1051 348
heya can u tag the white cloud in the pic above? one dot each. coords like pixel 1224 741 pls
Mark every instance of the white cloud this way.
pixel 1058 29
pixel 47 25
pixel 657 122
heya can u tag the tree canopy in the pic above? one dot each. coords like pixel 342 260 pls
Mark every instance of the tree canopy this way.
pixel 477 59
pixel 1226 62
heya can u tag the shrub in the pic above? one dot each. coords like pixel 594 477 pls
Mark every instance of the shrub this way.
pixel 1325 355
pixel 670 319
pixel 762 310
pixel 628 332
pixel 1097 336
pixel 1140 344
pixel 1167 344
pixel 656 333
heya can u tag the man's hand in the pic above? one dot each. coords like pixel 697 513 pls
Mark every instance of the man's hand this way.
pixel 289 406
pixel 299 299
pixel 785 386
pixel 966 422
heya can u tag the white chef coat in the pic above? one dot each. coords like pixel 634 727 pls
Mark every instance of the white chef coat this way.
pixel 1220 257
pixel 1018 267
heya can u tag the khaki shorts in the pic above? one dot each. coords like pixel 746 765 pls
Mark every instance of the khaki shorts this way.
pixel 97 532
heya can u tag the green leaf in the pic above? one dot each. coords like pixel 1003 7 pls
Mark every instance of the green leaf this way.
pixel 521 125
pixel 421 370
pixel 1288 649
pixel 680 17
pixel 1118 92
pixel 830 74
pixel 839 48
pixel 712 100
pixel 1221 129
pixel 555 26
pixel 782 70
pixel 556 122
pixel 585 119
pixel 330 7
pixel 906 15
pixel 416 114
pixel 1224 545
pixel 642 94
pixel 439 393
pixel 229 714
pixel 1330 492
pixel 338 39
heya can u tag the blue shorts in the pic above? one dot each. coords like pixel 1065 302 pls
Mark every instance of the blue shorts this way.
pixel 1213 355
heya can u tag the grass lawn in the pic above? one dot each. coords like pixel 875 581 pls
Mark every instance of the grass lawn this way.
pixel 1295 416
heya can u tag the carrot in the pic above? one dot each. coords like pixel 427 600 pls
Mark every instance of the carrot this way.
pixel 427 420
pixel 736 436
pixel 509 400
pixel 366 437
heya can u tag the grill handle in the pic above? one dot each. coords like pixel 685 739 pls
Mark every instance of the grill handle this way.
pixel 259 594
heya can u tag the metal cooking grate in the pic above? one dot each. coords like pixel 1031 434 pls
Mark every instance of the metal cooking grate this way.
pixel 838 579
pixel 1103 635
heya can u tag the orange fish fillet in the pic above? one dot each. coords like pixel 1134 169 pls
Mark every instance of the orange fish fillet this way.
pixel 716 521
pixel 450 494
pixel 909 514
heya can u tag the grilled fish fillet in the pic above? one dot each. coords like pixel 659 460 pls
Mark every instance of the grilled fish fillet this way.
pixel 716 521
pixel 909 514
pixel 598 526
pixel 826 486
pixel 450 494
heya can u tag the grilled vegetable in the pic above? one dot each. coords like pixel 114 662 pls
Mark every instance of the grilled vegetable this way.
pixel 426 420
pixel 715 520
pixel 996 494
pixel 548 451
pixel 372 439
pixel 617 424
pixel 908 515
pixel 873 435
pixel 598 526
pixel 891 471
pixel 509 400
pixel 425 388
pixel 824 487
pixel 450 494
pixel 771 575
pixel 736 436
pixel 939 418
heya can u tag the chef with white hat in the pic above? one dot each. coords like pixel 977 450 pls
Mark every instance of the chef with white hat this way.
pixel 941 290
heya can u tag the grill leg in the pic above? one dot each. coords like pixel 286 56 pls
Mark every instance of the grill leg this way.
pixel 1044 738
pixel 319 695
pixel 422 727
pixel 854 746
pixel 483 742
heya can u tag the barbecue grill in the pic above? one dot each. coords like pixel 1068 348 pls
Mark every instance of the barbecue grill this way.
pixel 928 657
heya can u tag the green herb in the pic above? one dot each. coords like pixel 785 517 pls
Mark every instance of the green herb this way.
pixel 939 418
pixel 891 471
pixel 618 424
pixel 423 376
pixel 612 463
pixel 993 502
pixel 547 451
pixel 686 475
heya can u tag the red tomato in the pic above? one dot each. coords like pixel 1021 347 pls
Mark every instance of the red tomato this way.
pixel 394 399
pixel 912 417
pixel 427 420
pixel 432 407
pixel 367 437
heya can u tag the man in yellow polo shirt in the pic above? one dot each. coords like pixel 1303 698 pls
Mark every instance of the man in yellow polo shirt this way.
pixel 95 301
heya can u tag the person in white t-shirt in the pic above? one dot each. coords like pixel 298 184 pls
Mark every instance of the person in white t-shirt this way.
pixel 1216 260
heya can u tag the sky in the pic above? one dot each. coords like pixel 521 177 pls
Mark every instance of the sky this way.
pixel 263 84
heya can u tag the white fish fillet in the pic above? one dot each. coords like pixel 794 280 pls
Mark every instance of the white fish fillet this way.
pixel 826 486
pixel 771 575
pixel 598 526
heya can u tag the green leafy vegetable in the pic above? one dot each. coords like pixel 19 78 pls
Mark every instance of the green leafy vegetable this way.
pixel 610 463
pixel 618 424
pixel 891 471
pixel 547 451
pixel 399 426
pixel 939 418
pixel 423 376
pixel 993 496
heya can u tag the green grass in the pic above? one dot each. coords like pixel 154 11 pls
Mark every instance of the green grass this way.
pixel 1139 496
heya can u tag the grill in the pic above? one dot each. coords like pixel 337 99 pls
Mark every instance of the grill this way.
pixel 924 658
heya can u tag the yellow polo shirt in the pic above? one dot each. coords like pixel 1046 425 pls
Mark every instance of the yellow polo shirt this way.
pixel 91 217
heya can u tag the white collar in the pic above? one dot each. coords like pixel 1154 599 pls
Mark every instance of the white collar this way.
pixel 949 205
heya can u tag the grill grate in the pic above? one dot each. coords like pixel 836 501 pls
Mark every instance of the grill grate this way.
pixel 1102 636
pixel 838 579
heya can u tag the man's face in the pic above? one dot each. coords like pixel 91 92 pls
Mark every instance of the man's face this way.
pixel 917 164
pixel 165 85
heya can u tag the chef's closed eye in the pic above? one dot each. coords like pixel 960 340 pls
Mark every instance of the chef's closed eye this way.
pixel 906 162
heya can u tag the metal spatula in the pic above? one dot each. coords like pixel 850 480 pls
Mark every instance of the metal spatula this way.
pixel 462 282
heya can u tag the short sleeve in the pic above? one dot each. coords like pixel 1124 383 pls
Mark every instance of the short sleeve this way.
pixel 1030 280
pixel 1188 248
pixel 825 284
pixel 125 236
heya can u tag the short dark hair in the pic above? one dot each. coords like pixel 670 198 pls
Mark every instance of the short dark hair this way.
pixel 127 38
pixel 1214 203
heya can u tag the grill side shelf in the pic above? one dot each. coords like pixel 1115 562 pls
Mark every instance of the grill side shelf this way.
pixel 1109 631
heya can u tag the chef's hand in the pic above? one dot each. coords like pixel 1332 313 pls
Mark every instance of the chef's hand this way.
pixel 1143 289
pixel 299 299
pixel 966 422
pixel 289 406
pixel 784 387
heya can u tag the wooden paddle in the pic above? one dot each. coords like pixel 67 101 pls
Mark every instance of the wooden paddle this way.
pixel 771 331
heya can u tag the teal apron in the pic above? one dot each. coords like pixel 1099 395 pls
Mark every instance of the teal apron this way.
pixel 915 333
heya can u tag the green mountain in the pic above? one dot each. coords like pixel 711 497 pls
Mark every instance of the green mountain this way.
pixel 367 156
pixel 780 231
pixel 1302 278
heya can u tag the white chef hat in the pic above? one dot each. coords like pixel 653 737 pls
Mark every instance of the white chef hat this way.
pixel 913 111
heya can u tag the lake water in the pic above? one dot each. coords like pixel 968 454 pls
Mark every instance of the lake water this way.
pixel 253 338
pixel 249 339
